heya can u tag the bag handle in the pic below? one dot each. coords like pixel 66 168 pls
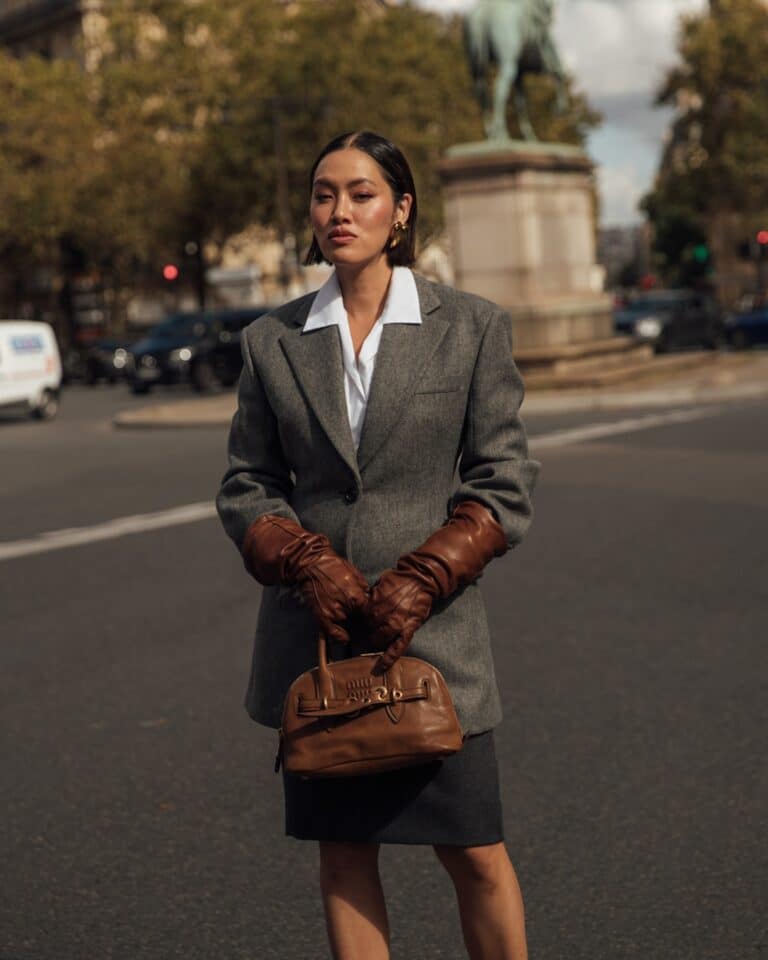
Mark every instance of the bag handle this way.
pixel 324 679
pixel 323 673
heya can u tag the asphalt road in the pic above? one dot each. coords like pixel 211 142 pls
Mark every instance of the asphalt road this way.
pixel 140 816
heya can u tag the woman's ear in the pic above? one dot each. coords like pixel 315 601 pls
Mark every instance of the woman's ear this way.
pixel 403 208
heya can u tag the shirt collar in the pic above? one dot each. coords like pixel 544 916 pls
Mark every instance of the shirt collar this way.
pixel 402 304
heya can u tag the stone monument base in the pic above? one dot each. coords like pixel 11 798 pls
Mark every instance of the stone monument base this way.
pixel 559 321
pixel 520 217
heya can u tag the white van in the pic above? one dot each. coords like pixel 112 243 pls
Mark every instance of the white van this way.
pixel 30 367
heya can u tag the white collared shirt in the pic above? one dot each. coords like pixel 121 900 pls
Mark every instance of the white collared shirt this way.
pixel 402 306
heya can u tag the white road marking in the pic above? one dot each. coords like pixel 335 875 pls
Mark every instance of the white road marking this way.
pixel 140 523
pixel 120 527
pixel 560 438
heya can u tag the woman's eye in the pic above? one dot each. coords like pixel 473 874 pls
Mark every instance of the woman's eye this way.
pixel 363 196
pixel 322 197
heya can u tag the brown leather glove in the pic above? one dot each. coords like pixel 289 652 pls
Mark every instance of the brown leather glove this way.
pixel 278 550
pixel 455 555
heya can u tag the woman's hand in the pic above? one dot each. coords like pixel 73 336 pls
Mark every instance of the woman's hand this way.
pixel 278 550
pixel 454 556
pixel 334 591
pixel 398 605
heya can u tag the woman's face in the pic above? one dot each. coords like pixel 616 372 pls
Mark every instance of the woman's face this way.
pixel 353 208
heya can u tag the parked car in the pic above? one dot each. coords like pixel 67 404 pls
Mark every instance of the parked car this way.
pixel 227 358
pixel 72 365
pixel 670 319
pixel 105 360
pixel 198 348
pixel 747 326
pixel 30 368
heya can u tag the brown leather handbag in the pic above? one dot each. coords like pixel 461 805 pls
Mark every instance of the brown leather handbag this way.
pixel 342 720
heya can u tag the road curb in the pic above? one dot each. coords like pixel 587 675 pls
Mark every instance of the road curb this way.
pixel 739 379
pixel 564 402
pixel 209 412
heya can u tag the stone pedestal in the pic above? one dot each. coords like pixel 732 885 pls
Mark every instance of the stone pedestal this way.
pixel 521 223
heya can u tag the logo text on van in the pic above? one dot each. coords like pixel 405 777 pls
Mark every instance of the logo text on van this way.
pixel 27 344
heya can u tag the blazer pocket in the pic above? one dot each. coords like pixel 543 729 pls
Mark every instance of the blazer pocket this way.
pixel 442 385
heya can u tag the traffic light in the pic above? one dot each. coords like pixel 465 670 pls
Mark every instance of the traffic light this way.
pixel 701 253
pixel 170 272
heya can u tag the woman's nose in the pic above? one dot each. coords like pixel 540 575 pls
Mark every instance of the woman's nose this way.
pixel 340 211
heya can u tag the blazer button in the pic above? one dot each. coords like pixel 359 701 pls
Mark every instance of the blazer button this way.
pixel 350 495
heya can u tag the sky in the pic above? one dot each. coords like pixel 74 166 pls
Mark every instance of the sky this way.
pixel 618 51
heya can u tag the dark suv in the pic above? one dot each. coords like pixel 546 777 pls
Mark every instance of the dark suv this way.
pixel 669 319
pixel 198 348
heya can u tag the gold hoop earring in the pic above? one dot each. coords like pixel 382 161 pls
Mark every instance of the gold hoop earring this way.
pixel 398 232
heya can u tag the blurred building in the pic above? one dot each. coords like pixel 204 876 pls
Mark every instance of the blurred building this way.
pixel 63 28
pixel 625 253
pixel 48 28
pixel 54 29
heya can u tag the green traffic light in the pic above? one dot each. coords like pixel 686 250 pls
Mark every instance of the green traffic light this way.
pixel 701 253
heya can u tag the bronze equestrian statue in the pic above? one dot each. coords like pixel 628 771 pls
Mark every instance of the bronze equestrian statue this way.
pixel 516 37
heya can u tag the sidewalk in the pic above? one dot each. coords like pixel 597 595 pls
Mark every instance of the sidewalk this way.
pixel 728 376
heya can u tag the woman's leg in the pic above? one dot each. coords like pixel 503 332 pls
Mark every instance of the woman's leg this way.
pixel 490 902
pixel 353 898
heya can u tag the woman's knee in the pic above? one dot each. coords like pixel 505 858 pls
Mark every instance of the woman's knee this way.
pixel 485 866
pixel 343 861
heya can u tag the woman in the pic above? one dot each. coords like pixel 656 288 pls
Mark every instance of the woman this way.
pixel 342 498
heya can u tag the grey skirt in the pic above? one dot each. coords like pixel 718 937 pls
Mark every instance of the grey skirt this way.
pixel 453 801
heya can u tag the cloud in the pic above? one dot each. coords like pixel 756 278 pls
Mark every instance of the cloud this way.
pixel 619 52
pixel 446 6
pixel 620 46
pixel 621 188
pixel 625 172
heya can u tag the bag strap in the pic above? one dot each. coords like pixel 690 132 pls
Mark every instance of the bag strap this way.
pixel 344 706
pixel 325 683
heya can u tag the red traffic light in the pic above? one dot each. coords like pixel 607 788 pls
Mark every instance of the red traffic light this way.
pixel 762 237
pixel 171 271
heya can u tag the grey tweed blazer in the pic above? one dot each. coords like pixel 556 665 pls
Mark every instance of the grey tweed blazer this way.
pixel 441 426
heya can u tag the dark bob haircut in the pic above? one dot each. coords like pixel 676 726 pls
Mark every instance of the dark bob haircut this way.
pixel 398 175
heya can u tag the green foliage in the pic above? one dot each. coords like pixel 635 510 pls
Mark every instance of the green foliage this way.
pixel 201 117
pixel 717 159
pixel 44 150
pixel 335 68
pixel 170 164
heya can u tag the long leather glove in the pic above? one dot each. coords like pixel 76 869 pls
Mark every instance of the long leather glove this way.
pixel 454 556
pixel 278 550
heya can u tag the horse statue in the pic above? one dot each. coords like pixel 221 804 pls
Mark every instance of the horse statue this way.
pixel 515 36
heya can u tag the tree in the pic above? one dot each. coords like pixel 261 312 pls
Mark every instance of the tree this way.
pixel 400 72
pixel 241 96
pixel 170 166
pixel 716 162
pixel 45 146
pixel 45 140
pixel 196 119
pixel 403 73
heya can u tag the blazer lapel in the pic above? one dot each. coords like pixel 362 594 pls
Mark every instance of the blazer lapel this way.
pixel 316 362
pixel 404 353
